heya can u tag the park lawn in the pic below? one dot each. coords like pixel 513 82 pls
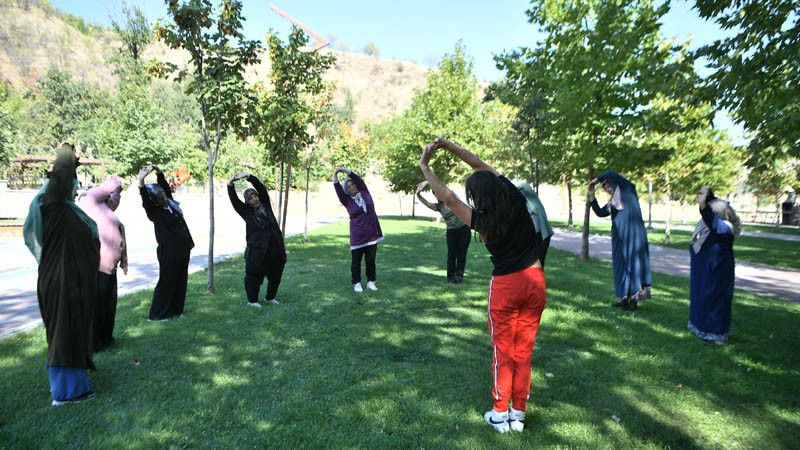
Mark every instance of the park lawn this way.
pixel 408 366
pixel 759 250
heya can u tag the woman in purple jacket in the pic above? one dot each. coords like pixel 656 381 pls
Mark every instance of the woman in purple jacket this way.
pixel 365 230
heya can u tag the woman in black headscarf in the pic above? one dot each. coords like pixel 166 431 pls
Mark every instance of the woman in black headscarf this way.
pixel 265 255
pixel 65 242
pixel 174 245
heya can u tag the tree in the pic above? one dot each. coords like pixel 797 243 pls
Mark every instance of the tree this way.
pixel 132 136
pixel 284 111
pixel 134 31
pixel 371 50
pixel 596 74
pixel 218 55
pixel 756 72
pixel 701 156
pixel 450 106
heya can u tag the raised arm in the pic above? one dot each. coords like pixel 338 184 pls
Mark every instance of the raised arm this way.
pixel 610 175
pixel 445 195
pixel 147 202
pixel 238 205
pixel 162 181
pixel 463 154
pixel 337 186
pixel 422 199
pixel 262 194
pixel 357 180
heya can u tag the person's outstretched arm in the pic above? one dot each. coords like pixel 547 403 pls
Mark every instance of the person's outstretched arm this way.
pixel 445 195
pixel 422 199
pixel 337 186
pixel 463 154
pixel 262 194
pixel 162 181
pixel 609 175
pixel 238 205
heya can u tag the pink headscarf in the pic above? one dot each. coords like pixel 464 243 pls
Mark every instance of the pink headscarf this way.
pixel 99 203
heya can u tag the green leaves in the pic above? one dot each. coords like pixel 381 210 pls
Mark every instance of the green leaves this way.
pixel 284 111
pixel 448 106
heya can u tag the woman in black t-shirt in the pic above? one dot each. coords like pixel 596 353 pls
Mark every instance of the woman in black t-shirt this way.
pixel 498 212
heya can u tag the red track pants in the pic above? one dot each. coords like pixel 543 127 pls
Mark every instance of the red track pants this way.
pixel 516 302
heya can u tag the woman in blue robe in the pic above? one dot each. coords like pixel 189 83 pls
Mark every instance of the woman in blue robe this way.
pixel 629 249
pixel 712 268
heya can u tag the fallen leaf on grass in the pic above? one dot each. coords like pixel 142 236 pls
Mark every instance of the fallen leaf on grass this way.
pixel 680 386
pixel 615 418
pixel 136 361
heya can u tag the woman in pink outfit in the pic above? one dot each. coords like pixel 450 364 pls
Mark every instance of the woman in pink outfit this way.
pixel 99 203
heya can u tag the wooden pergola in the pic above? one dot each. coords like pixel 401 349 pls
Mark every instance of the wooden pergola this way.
pixel 25 162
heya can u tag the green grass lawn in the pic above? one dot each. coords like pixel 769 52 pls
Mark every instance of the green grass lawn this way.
pixel 759 250
pixel 408 366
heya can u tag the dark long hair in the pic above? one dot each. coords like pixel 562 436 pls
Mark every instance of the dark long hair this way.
pixel 490 197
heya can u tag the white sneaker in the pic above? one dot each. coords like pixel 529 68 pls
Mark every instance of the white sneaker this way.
pixel 274 301
pixel 357 287
pixel 371 286
pixel 516 419
pixel 498 421
pixel 254 305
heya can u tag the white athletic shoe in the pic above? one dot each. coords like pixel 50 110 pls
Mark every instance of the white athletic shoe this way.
pixel 274 301
pixel 254 305
pixel 516 419
pixel 498 421
pixel 357 287
pixel 371 286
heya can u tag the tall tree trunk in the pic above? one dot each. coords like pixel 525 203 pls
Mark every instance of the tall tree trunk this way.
pixel 278 181
pixel 569 206
pixel 280 196
pixel 305 227
pixel 400 199
pixel 683 210
pixel 779 212
pixel 668 228
pixel 286 198
pixel 210 282
pixel 413 207
pixel 585 234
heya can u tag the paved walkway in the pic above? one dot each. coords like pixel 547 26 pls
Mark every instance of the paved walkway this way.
pixel 756 278
pixel 757 234
pixel 19 308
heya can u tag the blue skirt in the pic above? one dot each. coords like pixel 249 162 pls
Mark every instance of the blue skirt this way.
pixel 68 382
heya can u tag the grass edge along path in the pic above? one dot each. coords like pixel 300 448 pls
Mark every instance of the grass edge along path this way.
pixel 408 366
pixel 757 250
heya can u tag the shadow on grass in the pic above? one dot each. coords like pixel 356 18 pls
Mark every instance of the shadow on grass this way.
pixel 409 365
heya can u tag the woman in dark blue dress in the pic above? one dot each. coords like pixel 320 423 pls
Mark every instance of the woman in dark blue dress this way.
pixel 712 268
pixel 629 249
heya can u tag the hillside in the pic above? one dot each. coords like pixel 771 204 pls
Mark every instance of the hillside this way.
pixel 34 38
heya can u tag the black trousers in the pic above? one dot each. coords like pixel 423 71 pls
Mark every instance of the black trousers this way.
pixel 169 295
pixel 355 264
pixel 457 245
pixel 270 267
pixel 105 312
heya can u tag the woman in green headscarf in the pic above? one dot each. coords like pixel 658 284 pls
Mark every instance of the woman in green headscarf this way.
pixel 64 241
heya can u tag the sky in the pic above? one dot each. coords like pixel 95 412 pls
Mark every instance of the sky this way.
pixel 413 30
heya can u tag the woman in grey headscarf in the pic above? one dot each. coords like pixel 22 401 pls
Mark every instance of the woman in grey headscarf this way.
pixel 265 255
pixel 712 268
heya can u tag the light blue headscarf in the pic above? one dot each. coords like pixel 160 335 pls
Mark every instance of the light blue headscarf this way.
pixel 33 229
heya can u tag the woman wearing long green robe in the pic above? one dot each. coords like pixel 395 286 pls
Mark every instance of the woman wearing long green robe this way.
pixel 65 242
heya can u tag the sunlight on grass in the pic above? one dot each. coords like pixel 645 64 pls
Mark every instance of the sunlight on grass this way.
pixel 409 366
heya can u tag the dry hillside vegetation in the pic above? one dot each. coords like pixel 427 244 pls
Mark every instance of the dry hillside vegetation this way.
pixel 33 39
